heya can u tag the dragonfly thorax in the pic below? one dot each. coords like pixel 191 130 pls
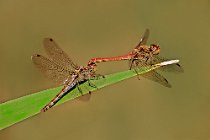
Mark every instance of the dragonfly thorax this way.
pixel 154 49
pixel 144 49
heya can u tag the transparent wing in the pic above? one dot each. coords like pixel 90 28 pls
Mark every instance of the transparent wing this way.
pixel 156 77
pixel 152 75
pixel 57 54
pixel 144 39
pixel 176 68
pixel 51 69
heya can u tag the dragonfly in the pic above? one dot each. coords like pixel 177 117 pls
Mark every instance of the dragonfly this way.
pixel 143 55
pixel 60 68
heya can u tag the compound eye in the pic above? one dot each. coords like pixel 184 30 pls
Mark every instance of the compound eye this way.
pixel 155 48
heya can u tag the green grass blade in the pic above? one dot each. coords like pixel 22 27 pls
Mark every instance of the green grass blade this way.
pixel 19 109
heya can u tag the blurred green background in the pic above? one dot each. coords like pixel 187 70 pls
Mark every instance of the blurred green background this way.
pixel 133 109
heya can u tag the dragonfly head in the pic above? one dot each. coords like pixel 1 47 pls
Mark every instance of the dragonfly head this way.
pixel 92 66
pixel 154 49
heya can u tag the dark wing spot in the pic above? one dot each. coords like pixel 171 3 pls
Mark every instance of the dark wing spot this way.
pixel 178 65
pixel 51 39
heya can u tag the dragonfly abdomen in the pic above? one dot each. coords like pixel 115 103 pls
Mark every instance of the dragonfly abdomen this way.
pixel 63 92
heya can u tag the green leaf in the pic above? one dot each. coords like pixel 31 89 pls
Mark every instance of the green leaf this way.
pixel 17 110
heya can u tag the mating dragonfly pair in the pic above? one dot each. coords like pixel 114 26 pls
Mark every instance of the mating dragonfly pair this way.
pixel 60 68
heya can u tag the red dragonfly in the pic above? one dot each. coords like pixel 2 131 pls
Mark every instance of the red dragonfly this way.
pixel 60 68
pixel 143 55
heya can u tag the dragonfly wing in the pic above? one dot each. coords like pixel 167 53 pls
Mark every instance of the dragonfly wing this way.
pixel 152 75
pixel 51 69
pixel 57 54
pixel 144 39
pixel 156 77
pixel 176 68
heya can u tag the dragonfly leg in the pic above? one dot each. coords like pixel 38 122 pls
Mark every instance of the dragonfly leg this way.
pixel 96 76
pixel 136 64
pixel 80 90
pixel 100 75
pixel 138 77
pixel 131 63
pixel 91 84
